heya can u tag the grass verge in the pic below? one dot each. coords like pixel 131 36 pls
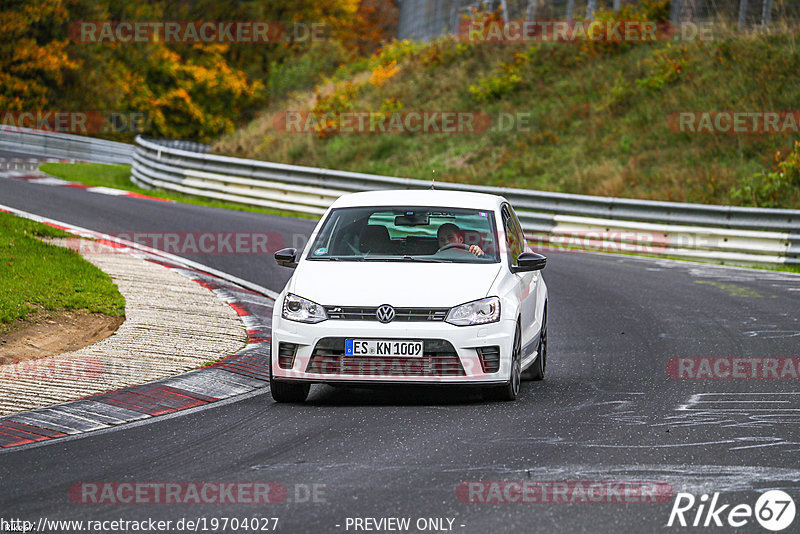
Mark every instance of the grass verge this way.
pixel 38 276
pixel 119 177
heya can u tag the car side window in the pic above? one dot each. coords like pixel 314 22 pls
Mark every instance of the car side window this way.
pixel 513 244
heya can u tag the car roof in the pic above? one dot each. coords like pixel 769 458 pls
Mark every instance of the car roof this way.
pixel 420 197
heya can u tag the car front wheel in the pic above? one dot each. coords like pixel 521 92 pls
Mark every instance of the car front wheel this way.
pixel 287 391
pixel 510 390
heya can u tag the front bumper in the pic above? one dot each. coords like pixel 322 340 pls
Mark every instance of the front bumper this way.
pixel 447 348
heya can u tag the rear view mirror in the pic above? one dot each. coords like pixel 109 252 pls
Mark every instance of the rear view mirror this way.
pixel 529 261
pixel 286 257
pixel 412 219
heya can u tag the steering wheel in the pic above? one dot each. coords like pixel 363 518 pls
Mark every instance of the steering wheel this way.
pixel 449 246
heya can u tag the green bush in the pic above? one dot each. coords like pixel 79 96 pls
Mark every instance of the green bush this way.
pixel 665 68
pixel 505 78
pixel 772 189
pixel 304 72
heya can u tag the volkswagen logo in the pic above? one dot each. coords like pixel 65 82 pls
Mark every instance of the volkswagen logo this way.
pixel 385 313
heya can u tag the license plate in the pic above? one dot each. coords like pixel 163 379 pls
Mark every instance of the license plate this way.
pixel 382 347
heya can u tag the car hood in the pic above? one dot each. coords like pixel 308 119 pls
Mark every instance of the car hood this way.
pixel 403 284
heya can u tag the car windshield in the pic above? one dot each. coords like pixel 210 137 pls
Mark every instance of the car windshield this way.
pixel 411 234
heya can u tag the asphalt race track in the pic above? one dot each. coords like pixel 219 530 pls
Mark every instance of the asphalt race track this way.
pixel 608 410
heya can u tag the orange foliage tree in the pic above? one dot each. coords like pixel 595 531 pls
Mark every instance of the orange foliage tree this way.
pixel 188 90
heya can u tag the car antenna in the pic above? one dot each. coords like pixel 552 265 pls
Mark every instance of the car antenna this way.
pixel 433 179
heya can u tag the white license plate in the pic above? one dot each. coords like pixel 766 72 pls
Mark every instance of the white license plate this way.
pixel 382 347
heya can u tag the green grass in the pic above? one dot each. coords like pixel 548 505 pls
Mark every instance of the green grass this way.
pixel 119 177
pixel 599 117
pixel 95 174
pixel 34 274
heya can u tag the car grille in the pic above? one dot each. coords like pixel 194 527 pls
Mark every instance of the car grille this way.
pixel 357 313
pixel 439 359
pixel 490 358
pixel 286 354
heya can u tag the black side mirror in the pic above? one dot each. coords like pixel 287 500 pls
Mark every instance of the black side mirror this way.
pixel 529 261
pixel 286 257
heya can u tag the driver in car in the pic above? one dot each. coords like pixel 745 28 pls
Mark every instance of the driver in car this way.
pixel 450 237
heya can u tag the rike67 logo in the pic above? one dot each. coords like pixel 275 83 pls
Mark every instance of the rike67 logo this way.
pixel 774 510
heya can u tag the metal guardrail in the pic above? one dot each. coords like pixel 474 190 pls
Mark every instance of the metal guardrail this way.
pixel 695 231
pixel 183 144
pixel 725 234
pixel 60 145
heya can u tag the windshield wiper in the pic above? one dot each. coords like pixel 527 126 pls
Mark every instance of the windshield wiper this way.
pixel 405 258
pixel 425 260
pixel 337 258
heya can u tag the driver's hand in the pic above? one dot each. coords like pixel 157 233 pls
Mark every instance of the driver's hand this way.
pixel 475 249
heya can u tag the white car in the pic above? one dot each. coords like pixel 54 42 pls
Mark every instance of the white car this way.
pixel 411 287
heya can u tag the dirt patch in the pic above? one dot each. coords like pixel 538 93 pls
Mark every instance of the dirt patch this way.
pixel 45 334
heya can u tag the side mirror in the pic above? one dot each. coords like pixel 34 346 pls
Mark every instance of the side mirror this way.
pixel 286 257
pixel 529 261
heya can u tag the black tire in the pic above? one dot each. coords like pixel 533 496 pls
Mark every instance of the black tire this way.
pixel 510 390
pixel 287 391
pixel 539 365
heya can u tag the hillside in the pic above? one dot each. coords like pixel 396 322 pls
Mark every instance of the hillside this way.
pixel 601 116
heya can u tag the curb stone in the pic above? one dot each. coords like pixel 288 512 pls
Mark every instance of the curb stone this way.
pixel 240 373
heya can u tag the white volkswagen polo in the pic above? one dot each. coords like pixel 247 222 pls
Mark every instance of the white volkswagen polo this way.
pixel 414 287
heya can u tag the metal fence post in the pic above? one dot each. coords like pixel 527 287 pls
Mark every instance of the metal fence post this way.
pixel 591 5
pixel 742 14
pixel 530 9
pixel 570 9
pixel 766 13
pixel 675 15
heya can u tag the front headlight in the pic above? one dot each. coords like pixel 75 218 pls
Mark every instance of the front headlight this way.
pixel 476 312
pixel 303 310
